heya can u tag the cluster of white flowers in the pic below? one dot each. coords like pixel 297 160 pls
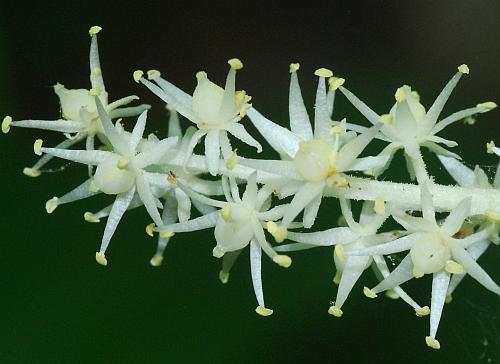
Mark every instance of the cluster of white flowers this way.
pixel 283 196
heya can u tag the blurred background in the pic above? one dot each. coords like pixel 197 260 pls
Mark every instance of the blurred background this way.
pixel 59 305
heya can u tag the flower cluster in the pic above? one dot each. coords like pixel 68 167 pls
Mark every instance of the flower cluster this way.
pixel 443 230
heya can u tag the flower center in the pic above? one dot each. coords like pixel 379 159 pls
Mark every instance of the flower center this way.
pixel 315 160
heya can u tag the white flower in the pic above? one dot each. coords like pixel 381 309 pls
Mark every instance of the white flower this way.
pixel 490 221
pixel 492 149
pixel 238 223
pixel 311 160
pixel 121 171
pixel 79 113
pixel 214 110
pixel 433 250
pixel 408 125
pixel 358 235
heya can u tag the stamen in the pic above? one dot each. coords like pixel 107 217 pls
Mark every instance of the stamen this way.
pixel 152 74
pixel 486 106
pixel 30 172
pixel 217 252
pixel 51 205
pixel 335 82
pixel 263 311
pixel 448 299
pixel 37 146
pixel 390 293
pixel 417 273
pixel 422 311
pixel 400 95
pixel 386 119
pixel 235 64
pixel 337 277
pixel 156 260
pixel 100 258
pixel 282 260
pixel 454 267
pixel 340 251
pixel 369 293
pixel 463 68
pixel 6 123
pixel 94 30
pixel 150 229
pixel 137 75
pixel 335 311
pixel 90 217
pixel 96 91
pixel 200 75
pixel 166 234
pixel 323 72
pixel 171 179
pixel 432 343
pixel 93 186
pixel 232 161
pixel 278 232
pixel 224 277
pixel 294 67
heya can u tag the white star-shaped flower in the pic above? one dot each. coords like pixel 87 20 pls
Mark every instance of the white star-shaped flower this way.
pixel 215 111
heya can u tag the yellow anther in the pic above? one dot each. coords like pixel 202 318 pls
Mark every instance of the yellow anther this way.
pixel 6 123
pixel 263 311
pixel 416 95
pixel 166 234
pixel 30 172
pixel 379 206
pixel 150 229
pixel 122 163
pixel 490 147
pixel 51 205
pixel 463 68
pixel 200 75
pixel 282 260
pixel 171 179
pixel 137 75
pixel 232 161
pixel 93 187
pixel 432 343
pixel 224 276
pixel 217 252
pixel 337 277
pixel 492 216
pixel 369 293
pixel 96 91
pixel 294 67
pixel 470 120
pixel 454 267
pixel 340 251
pixel 278 232
pixel 37 146
pixel 390 293
pixel 337 130
pixel 339 182
pixel 448 299
pixel 225 213
pixel 400 95
pixel 422 311
pixel 100 258
pixel 335 82
pixel 156 260
pixel 94 30
pixel 417 273
pixel 487 106
pixel 386 119
pixel 152 74
pixel 90 217
pixel 323 72
pixel 335 311
pixel 235 63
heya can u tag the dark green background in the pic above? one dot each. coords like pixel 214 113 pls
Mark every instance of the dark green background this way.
pixel 58 305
